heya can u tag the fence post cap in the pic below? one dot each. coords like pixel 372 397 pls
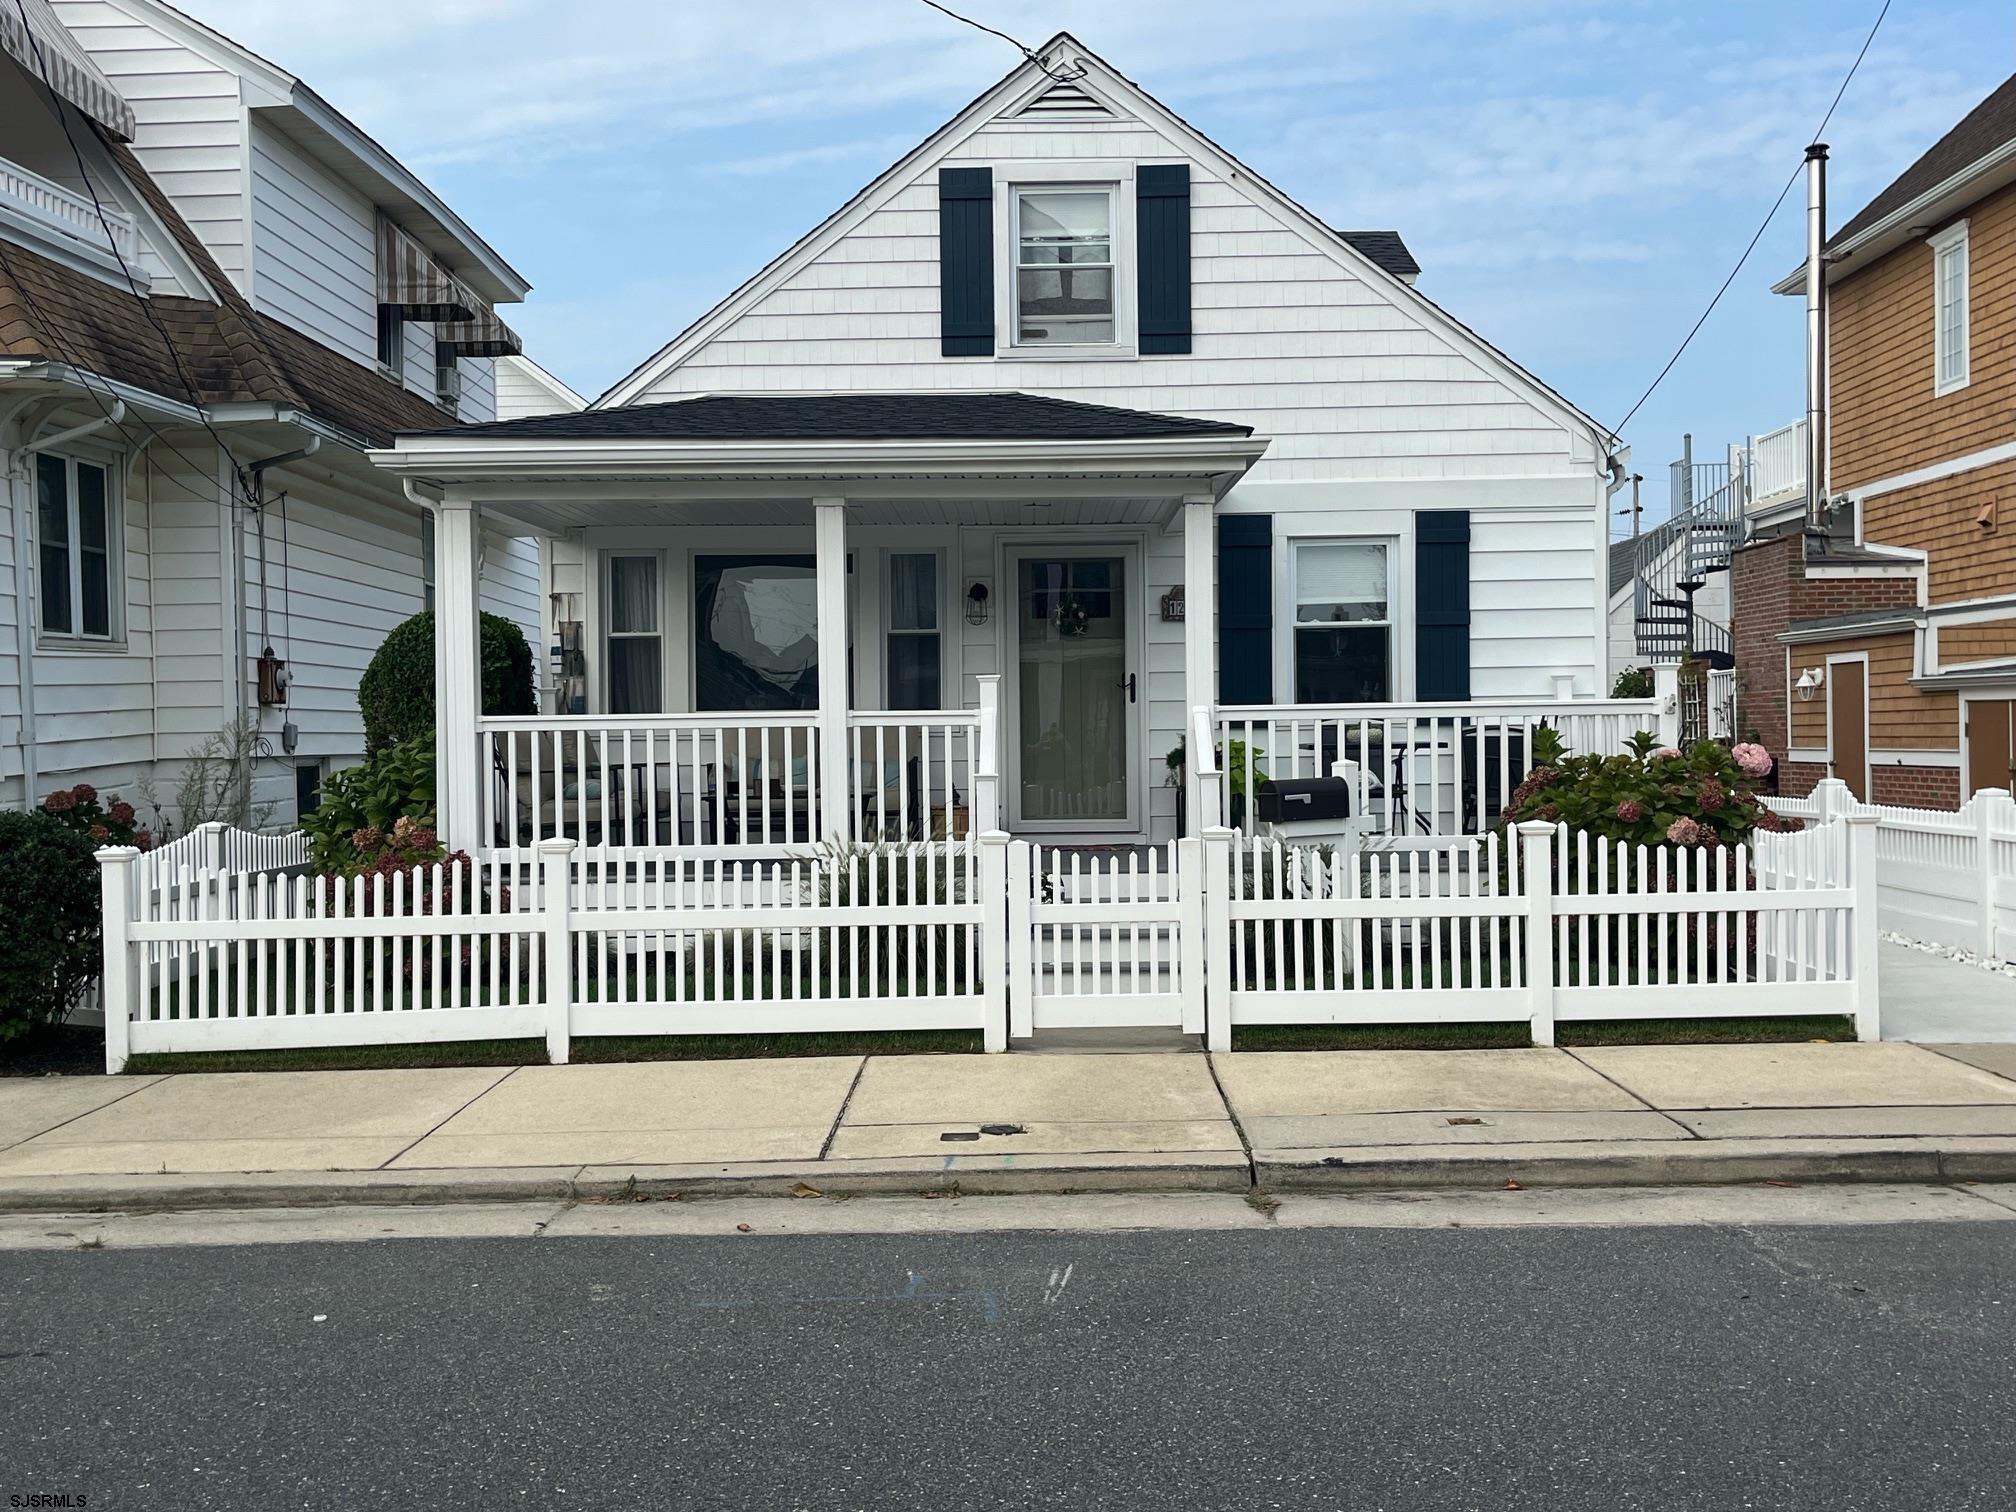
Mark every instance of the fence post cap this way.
pixel 1860 818
pixel 1219 832
pixel 994 837
pixel 1538 826
pixel 555 846
pixel 113 855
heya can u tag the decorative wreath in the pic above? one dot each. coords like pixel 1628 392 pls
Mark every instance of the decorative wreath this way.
pixel 1071 616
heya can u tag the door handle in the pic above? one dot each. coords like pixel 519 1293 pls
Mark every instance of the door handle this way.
pixel 1129 686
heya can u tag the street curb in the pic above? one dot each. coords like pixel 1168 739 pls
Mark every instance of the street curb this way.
pixel 1644 1163
pixel 968 1176
pixel 1641 1163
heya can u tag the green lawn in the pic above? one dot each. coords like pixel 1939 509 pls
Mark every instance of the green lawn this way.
pixel 1728 1031
pixel 596 1049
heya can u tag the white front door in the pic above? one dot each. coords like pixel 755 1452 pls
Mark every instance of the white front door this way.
pixel 1073 653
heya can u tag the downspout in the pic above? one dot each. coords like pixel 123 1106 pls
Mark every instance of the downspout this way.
pixel 1816 339
pixel 23 479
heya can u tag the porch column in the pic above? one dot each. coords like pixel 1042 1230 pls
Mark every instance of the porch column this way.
pixel 829 517
pixel 458 673
pixel 1200 642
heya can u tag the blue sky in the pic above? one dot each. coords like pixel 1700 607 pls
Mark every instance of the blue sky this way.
pixel 1575 177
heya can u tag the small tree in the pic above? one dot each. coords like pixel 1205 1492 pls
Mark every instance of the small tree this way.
pixel 396 693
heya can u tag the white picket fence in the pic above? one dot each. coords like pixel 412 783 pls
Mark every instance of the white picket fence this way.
pixel 989 934
pixel 1947 877
pixel 1555 926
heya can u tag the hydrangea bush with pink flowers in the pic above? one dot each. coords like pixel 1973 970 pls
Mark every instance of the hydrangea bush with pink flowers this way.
pixel 377 816
pixel 1649 794
pixel 109 820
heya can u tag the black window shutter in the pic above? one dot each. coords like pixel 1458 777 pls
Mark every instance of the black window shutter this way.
pixel 966 262
pixel 1442 605
pixel 1246 609
pixel 1162 238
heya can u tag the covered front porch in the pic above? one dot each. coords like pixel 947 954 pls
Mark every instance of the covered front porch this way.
pixel 768 643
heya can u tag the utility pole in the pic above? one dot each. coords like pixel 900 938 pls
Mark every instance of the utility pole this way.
pixel 1637 510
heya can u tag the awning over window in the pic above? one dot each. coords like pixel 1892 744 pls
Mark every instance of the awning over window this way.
pixel 32 36
pixel 419 288
pixel 485 336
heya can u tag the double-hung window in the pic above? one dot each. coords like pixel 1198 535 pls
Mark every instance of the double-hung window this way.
pixel 76 524
pixel 914 656
pixel 1343 626
pixel 1064 267
pixel 636 641
pixel 1949 309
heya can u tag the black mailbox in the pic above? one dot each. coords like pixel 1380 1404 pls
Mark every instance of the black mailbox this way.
pixel 1305 798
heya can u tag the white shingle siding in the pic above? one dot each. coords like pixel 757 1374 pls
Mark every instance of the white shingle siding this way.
pixel 1373 407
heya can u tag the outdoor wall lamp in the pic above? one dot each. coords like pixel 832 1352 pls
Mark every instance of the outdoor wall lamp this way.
pixel 976 604
pixel 1809 684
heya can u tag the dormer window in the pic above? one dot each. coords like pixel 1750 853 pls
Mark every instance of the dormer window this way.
pixel 1064 267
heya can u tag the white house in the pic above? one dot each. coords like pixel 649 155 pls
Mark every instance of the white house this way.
pixel 216 293
pixel 1067 403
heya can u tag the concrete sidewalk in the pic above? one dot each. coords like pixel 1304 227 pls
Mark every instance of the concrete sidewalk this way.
pixel 1049 1123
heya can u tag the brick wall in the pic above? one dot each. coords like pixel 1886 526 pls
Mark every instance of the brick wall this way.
pixel 1916 786
pixel 1769 591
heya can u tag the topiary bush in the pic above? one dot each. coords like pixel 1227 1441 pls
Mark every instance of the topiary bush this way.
pixel 50 900
pixel 396 693
pixel 363 805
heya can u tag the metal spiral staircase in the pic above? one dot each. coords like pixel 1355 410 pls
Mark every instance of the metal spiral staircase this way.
pixel 1676 559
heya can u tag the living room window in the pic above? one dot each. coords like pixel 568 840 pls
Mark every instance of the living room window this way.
pixel 915 656
pixel 755 633
pixel 77 540
pixel 636 643
pixel 1064 266
pixel 1950 313
pixel 1343 627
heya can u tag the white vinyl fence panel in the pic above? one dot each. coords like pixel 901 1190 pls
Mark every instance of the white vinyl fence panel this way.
pixel 1947 877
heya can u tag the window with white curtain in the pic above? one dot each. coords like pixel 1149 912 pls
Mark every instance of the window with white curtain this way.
pixel 1951 332
pixel 1064 267
pixel 77 530
pixel 636 640
pixel 914 646
pixel 1343 628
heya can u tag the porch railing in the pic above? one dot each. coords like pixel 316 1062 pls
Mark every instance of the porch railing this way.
pixel 740 784
pixel 1417 770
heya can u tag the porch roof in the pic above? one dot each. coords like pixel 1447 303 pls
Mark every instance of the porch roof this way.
pixel 685 461
pixel 858 417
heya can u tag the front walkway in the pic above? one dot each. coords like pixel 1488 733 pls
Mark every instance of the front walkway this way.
pixel 1654 1114
pixel 1931 999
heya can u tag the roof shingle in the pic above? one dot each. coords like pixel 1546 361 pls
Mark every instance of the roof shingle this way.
pixel 856 417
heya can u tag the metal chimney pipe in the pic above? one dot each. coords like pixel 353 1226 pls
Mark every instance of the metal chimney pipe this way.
pixel 1816 339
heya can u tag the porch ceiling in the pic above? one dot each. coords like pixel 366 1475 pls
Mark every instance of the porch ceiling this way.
pixel 557 516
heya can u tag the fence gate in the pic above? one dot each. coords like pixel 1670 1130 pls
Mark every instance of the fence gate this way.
pixel 1105 938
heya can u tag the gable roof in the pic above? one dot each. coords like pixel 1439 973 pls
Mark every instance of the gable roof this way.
pixel 951 416
pixel 196 351
pixel 1027 79
pixel 1989 125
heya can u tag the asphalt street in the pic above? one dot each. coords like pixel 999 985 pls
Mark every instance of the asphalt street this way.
pixel 1710 1367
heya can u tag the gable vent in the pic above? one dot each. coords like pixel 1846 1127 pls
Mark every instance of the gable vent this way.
pixel 1064 102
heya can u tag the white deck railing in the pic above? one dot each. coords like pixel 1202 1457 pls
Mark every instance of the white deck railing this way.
pixel 1421 770
pixel 744 784
pixel 1778 461
pixel 70 215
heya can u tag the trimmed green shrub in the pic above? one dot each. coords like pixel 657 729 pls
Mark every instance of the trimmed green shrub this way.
pixel 50 898
pixel 1633 682
pixel 396 693
pixel 362 805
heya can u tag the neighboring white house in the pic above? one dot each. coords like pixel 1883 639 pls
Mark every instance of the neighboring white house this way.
pixel 266 282
pixel 849 486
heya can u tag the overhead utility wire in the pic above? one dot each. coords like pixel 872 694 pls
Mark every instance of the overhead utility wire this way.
pixel 1769 215
pixel 1065 76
